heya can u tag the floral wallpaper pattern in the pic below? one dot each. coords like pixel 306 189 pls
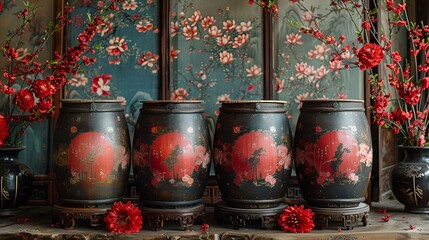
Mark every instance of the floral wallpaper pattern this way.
pixel 127 56
pixel 215 51
pixel 303 66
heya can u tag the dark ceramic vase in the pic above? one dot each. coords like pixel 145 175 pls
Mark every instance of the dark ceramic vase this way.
pixel 171 154
pixel 91 152
pixel 410 179
pixel 333 152
pixel 252 153
pixel 16 181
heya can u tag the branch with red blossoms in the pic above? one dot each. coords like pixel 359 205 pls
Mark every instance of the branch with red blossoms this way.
pixel 28 85
pixel 399 99
pixel 268 5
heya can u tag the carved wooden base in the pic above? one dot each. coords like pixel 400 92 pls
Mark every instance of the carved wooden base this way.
pixel 344 217
pixel 237 217
pixel 186 216
pixel 67 216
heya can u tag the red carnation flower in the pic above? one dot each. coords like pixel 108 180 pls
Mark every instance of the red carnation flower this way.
pixel 370 55
pixel 42 88
pixel 124 218
pixel 4 130
pixel 24 99
pixel 296 219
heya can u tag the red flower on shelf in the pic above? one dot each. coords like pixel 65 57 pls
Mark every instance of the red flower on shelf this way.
pixel 124 218
pixel 296 219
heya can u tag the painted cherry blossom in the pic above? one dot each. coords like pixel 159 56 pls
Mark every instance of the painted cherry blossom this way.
pixel 336 65
pixel 223 41
pixel 293 38
pixel 214 32
pixel 148 59
pixel 195 18
pixel 190 32
pixel 144 25
pixel 320 52
pixel 254 71
pixel 78 80
pixel 307 16
pixel 303 70
pixel 188 179
pixel 117 46
pixel 179 94
pixel 271 180
pixel 301 97
pixel 208 22
pixel 244 27
pixel 240 40
pixel 226 57
pixel 173 54
pixel 99 85
pixel 105 28
pixel 223 97
pixel 279 85
pixel 365 153
pixel 229 25
pixel 174 28
pixel 129 5
pixel 321 72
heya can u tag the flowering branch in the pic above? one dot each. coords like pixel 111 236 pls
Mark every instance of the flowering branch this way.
pixel 399 99
pixel 28 85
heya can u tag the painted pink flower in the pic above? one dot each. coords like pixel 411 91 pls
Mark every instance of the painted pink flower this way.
pixel 223 41
pixel 214 32
pixel 240 40
pixel 174 54
pixel 293 38
pixel 353 177
pixel 271 180
pixel 224 97
pixel 320 52
pixel 190 32
pixel 244 27
pixel 100 85
pixel 303 70
pixel 254 71
pixel 365 153
pixel 301 97
pixel 117 46
pixel 179 94
pixel 307 16
pixel 279 85
pixel 148 59
pixel 104 28
pixel 207 22
pixel 324 177
pixel 78 80
pixel 229 25
pixel 336 65
pixel 174 28
pixel 284 157
pixel 188 179
pixel 129 5
pixel 225 57
pixel 195 18
pixel 144 25
pixel 342 96
pixel 321 72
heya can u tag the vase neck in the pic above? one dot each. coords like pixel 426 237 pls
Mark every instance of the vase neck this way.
pixel 10 154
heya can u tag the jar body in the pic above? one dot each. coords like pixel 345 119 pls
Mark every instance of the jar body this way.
pixel 410 179
pixel 252 153
pixel 16 181
pixel 91 152
pixel 171 154
pixel 333 152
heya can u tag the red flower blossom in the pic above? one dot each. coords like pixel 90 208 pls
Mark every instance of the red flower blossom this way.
pixel 24 99
pixel 204 228
pixel 385 218
pixel 296 219
pixel 370 55
pixel 123 218
pixel 43 89
pixel 4 130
